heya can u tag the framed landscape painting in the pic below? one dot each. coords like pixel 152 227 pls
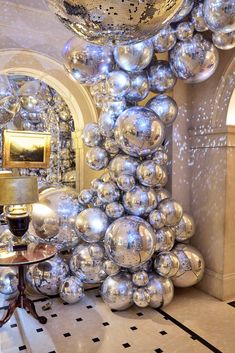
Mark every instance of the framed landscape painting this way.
pixel 26 149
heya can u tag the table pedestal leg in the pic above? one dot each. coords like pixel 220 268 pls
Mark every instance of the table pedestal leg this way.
pixel 22 302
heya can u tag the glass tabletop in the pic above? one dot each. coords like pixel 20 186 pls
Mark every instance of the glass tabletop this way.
pixel 35 253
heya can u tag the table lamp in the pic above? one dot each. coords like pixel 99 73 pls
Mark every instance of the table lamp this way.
pixel 16 195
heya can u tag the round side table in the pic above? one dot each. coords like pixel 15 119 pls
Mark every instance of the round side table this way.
pixel 35 253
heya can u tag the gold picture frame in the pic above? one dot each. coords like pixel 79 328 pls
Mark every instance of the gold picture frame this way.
pixel 26 149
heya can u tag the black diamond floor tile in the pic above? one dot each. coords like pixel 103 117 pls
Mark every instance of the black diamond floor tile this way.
pixel 95 339
pixel 126 345
pixel 67 334
pixel 163 333
pixel 22 348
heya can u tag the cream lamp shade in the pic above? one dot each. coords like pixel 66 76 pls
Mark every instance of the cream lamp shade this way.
pixel 18 190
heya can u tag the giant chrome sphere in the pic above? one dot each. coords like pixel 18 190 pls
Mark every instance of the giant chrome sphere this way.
pixel 165 239
pixel 46 277
pixel 224 41
pixel 160 290
pixel 91 224
pixel 220 15
pixel 140 201
pixel 184 11
pixel 91 135
pixel 197 18
pixel 97 158
pixel 164 107
pixel 108 192
pixel 185 229
pixel 106 123
pixel 129 241
pixel 71 290
pixel 161 77
pixel 8 281
pixel 166 264
pixel 172 210
pixel 118 83
pixel 139 88
pixel 194 60
pixel 85 62
pixel 87 262
pixel 191 268
pixel 164 40
pixel 139 131
pixel 114 22
pixel 117 291
pixel 134 57
pixel 149 173
pixel 122 164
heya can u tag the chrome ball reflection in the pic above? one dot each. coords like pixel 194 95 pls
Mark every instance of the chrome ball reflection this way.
pixel 122 164
pixel 172 211
pixel 141 297
pixel 9 107
pixel 114 210
pixel 197 18
pixel 134 57
pixel 115 22
pixel 140 201
pixel 184 11
pixel 166 264
pixel 184 31
pixel 157 219
pixel 160 157
pixel 118 83
pixel 114 105
pixel 8 281
pixel 97 158
pixel 165 239
pixel 161 77
pixel 126 182
pixel 91 224
pixel 110 268
pixel 129 241
pixel 85 62
pixel 224 41
pixel 108 192
pixel 85 197
pixel 185 229
pixel 71 290
pixel 164 107
pixel 191 268
pixel 160 290
pixel 149 173
pixel 106 123
pixel 117 291
pixel 140 278
pixel 91 135
pixel 164 40
pixel 87 262
pixel 139 131
pixel 139 87
pixel 162 194
pixel 219 15
pixel 111 146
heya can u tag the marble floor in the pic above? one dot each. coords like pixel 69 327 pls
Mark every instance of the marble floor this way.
pixel 193 323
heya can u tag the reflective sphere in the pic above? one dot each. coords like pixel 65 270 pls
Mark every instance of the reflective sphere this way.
pixel 111 268
pixel 165 239
pixel 129 241
pixel 161 77
pixel 140 201
pixel 224 41
pixel 139 88
pixel 164 107
pixel 194 60
pixel 126 182
pixel 141 297
pixel 160 290
pixel 8 281
pixel 139 131
pixel 114 210
pixel 166 264
pixel 106 123
pixel 197 18
pixel 87 262
pixel 185 229
pixel 108 192
pixel 115 22
pixel 91 135
pixel 118 83
pixel 140 278
pixel 160 157
pixel 91 224
pixel 134 57
pixel 220 15
pixel 172 210
pixel 114 105
pixel 71 290
pixel 122 164
pixel 149 173
pixel 33 96
pixel 162 194
pixel 184 31
pixel 9 107
pixel 85 197
pixel 184 11
pixel 46 277
pixel 191 268
pixel 97 158
pixel 164 40
pixel 157 219
pixel 111 146
pixel 85 62
pixel 117 291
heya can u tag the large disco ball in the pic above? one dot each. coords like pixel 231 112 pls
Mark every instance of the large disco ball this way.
pixel 160 290
pixel 117 291
pixel 194 60
pixel 220 15
pixel 191 267
pixel 139 131
pixel 85 62
pixel 46 277
pixel 87 262
pixel 116 21
pixel 129 241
